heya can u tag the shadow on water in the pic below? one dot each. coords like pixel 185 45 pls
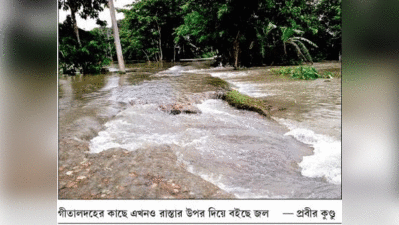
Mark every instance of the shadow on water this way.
pixel 85 84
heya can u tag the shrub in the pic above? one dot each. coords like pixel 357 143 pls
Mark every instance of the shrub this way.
pixel 299 72
pixel 88 58
pixel 282 70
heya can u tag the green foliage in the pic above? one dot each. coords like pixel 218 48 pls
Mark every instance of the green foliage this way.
pixel 299 72
pixel 305 73
pixel 147 29
pixel 78 49
pixel 248 32
pixel 238 98
pixel 282 70
pixel 329 35
pixel 89 58
pixel 208 54
pixel 89 8
pixel 247 29
pixel 300 48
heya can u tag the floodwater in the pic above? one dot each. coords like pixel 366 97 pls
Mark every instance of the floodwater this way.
pixel 294 154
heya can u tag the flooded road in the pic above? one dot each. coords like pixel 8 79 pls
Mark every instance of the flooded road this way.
pixel 311 110
pixel 241 152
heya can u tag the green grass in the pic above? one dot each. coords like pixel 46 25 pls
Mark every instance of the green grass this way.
pixel 240 101
pixel 217 82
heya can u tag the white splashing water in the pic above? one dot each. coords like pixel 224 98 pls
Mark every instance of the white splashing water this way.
pixel 252 89
pixel 111 83
pixel 229 74
pixel 126 131
pixel 326 159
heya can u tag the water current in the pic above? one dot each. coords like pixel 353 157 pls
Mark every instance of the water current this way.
pixel 294 154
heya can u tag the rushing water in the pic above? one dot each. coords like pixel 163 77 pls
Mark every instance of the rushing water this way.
pixel 311 110
pixel 239 151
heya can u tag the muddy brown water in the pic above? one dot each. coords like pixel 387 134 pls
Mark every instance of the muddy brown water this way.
pixel 241 152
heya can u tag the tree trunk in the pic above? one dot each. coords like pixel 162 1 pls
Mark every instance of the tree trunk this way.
pixel 116 37
pixel 148 59
pixel 174 53
pixel 159 42
pixel 236 55
pixel 109 45
pixel 236 47
pixel 160 48
pixel 75 25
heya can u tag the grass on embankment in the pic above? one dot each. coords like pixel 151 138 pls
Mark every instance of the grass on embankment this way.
pixel 240 101
pixel 217 82
pixel 304 72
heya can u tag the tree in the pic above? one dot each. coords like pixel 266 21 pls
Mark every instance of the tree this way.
pixel 148 28
pixel 116 37
pixel 329 36
pixel 282 25
pixel 90 8
pixel 240 30
pixel 90 56
pixel 243 33
pixel 288 37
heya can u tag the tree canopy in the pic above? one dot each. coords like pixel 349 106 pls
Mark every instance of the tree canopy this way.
pixel 90 56
pixel 239 32
pixel 89 8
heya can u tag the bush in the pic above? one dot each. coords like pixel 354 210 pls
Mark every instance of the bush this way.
pixel 208 54
pixel 282 70
pixel 89 58
pixel 299 72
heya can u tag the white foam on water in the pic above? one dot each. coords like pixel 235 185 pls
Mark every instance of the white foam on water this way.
pixel 197 142
pixel 325 162
pixel 103 141
pixel 214 108
pixel 248 88
pixel 126 132
pixel 229 74
pixel 113 69
pixel 175 70
pixel 326 159
pixel 205 71
pixel 109 139
pixel 112 82
pixel 210 106
pixel 252 89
